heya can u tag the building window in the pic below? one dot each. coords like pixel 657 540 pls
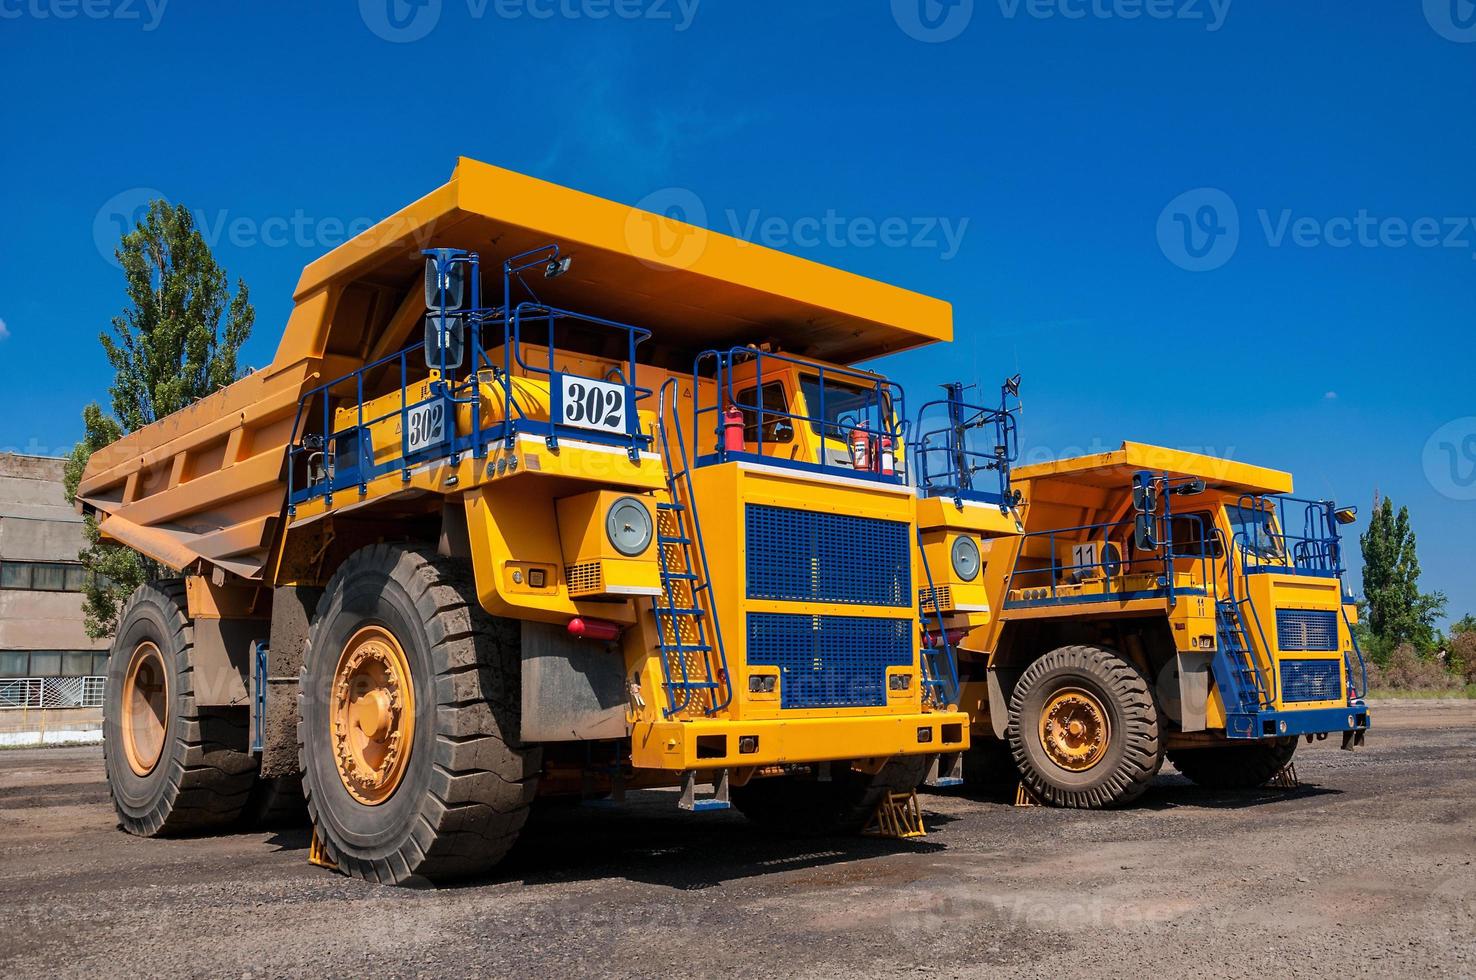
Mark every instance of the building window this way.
pixel 53 663
pixel 43 576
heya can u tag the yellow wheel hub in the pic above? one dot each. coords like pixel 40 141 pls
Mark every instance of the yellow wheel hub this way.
pixel 1074 730
pixel 373 715
pixel 145 720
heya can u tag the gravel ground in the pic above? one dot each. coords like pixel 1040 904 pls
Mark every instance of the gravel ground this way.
pixel 1365 869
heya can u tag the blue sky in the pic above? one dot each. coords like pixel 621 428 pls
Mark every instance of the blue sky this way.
pixel 1241 227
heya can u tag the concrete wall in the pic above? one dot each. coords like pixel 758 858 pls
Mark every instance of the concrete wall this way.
pixel 37 524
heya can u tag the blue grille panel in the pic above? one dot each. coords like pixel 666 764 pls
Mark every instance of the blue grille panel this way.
pixel 1311 680
pixel 803 556
pixel 829 661
pixel 1306 629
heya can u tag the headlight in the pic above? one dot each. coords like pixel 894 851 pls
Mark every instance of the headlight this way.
pixel 628 526
pixel 965 558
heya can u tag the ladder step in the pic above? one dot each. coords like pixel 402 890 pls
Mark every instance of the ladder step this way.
pixel 677 611
pixel 675 508
pixel 683 576
pixel 686 648
pixel 663 539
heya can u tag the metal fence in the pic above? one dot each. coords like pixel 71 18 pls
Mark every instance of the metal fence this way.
pixel 52 692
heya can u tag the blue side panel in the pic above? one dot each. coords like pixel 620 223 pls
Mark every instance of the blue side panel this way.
pixel 1307 629
pixel 829 661
pixel 1311 680
pixel 803 556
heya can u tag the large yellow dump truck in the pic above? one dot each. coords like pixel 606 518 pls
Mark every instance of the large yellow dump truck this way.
pixel 541 495
pixel 1160 603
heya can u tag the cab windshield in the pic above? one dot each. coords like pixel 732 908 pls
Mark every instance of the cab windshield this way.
pixel 1255 531
pixel 837 407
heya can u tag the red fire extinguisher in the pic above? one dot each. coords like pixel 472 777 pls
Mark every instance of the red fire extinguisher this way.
pixel 886 459
pixel 860 449
pixel 732 429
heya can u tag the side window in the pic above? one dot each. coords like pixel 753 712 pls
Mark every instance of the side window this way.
pixel 1190 533
pixel 777 426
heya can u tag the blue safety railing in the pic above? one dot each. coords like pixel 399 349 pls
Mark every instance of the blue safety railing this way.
pixel 325 458
pixel 879 418
pixel 1266 543
pixel 947 453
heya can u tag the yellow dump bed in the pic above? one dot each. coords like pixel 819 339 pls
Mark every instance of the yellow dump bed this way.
pixel 207 484
pixel 1114 470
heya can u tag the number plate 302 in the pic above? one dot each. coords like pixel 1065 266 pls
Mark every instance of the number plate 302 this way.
pixel 590 404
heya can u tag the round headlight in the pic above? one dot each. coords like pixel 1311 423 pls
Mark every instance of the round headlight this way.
pixel 628 525
pixel 965 558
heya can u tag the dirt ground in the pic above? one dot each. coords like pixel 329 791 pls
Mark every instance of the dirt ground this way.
pixel 1365 869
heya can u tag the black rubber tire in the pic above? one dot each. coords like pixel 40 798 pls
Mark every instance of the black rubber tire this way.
pixel 205 771
pixel 803 806
pixel 275 803
pixel 1134 751
pixel 1234 766
pixel 468 783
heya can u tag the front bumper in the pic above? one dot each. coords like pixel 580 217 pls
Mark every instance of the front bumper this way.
pixel 1310 721
pixel 711 743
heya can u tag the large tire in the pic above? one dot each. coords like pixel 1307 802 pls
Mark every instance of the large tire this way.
pixel 1234 766
pixel 1104 693
pixel 804 806
pixel 173 767
pixel 464 787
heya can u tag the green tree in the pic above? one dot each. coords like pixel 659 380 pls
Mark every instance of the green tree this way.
pixel 1396 610
pixel 175 342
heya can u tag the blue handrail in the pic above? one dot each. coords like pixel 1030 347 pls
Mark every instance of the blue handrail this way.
pixel 954 475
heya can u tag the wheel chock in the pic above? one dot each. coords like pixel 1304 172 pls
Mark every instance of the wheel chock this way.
pixel 318 854
pixel 1024 796
pixel 898 816
pixel 1286 778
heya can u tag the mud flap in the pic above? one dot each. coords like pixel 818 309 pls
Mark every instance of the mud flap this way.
pixel 1353 738
pixel 945 770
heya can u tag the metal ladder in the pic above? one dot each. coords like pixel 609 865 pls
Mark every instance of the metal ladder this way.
pixel 939 678
pixel 694 667
pixel 1235 667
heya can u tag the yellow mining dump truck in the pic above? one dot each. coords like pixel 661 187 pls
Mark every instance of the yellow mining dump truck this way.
pixel 541 495
pixel 1160 603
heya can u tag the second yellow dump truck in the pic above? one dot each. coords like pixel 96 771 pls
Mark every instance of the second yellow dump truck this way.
pixel 541 495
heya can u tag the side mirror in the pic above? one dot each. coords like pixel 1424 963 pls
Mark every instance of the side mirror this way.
pixel 1190 489
pixel 1345 515
pixel 1143 537
pixel 445 341
pixel 1145 494
pixel 443 274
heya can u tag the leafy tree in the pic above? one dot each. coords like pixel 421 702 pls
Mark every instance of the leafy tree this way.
pixel 1395 608
pixel 175 342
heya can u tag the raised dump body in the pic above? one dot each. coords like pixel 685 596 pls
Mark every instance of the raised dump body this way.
pixel 544 495
pixel 1162 603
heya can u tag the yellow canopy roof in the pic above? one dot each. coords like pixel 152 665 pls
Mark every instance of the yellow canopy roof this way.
pixel 1115 469
pixel 692 287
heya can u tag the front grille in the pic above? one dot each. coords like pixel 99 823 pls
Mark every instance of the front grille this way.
pixel 829 661
pixel 1311 680
pixel 1306 629
pixel 804 556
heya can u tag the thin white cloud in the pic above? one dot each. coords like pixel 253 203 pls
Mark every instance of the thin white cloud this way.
pixel 1330 396
pixel 4 331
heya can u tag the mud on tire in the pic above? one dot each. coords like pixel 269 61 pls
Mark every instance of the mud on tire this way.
pixel 203 772
pixel 1234 766
pixel 1133 752
pixel 467 782
pixel 802 805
